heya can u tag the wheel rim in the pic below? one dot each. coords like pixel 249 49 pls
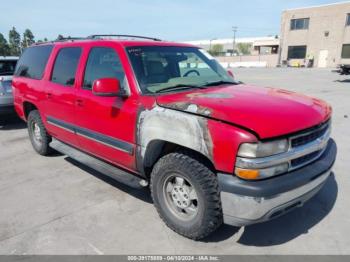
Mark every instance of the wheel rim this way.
pixel 36 133
pixel 180 197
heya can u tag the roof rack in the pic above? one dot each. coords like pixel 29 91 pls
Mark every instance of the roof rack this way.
pixel 120 36
pixel 69 38
pixel 64 39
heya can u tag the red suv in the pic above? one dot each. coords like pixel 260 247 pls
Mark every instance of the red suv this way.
pixel 147 111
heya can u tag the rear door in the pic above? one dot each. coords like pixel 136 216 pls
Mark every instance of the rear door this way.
pixel 106 125
pixel 61 94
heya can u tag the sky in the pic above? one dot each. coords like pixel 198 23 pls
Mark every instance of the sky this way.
pixel 176 20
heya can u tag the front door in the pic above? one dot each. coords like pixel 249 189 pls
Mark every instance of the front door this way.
pixel 106 125
pixel 323 58
pixel 61 95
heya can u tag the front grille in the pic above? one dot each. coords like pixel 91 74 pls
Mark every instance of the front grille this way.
pixel 309 136
pixel 304 159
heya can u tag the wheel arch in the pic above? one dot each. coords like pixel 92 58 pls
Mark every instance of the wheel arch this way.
pixel 159 148
pixel 27 108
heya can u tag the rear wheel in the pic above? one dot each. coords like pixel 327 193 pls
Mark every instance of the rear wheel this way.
pixel 38 135
pixel 185 193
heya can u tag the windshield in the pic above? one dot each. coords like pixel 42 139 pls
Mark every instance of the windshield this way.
pixel 7 67
pixel 165 68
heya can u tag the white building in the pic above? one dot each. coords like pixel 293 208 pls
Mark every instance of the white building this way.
pixel 260 45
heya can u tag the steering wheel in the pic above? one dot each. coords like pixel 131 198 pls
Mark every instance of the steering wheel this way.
pixel 191 71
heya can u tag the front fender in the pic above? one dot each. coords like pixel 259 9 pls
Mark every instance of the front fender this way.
pixel 217 141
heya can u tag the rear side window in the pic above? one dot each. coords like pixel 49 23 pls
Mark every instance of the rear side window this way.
pixel 103 62
pixel 33 62
pixel 66 65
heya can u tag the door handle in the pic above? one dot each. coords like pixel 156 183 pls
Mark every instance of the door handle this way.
pixel 48 95
pixel 79 102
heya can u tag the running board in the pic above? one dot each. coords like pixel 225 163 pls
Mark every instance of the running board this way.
pixel 99 165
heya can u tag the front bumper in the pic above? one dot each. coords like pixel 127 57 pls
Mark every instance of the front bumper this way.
pixel 249 202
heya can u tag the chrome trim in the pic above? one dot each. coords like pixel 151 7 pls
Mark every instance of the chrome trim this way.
pixel 326 125
pixel 293 153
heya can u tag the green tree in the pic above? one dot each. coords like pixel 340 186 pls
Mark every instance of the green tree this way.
pixel 15 42
pixel 216 49
pixel 244 48
pixel 4 47
pixel 28 38
pixel 42 41
pixel 59 37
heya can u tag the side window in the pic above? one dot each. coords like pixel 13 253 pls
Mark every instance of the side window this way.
pixel 33 62
pixel 103 62
pixel 65 67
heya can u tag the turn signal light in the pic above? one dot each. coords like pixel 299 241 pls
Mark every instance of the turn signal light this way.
pixel 247 173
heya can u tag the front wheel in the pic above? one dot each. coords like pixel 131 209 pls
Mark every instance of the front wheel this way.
pixel 38 135
pixel 186 196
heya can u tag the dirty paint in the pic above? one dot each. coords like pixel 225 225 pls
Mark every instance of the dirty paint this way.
pixel 176 127
pixel 189 107
pixel 210 95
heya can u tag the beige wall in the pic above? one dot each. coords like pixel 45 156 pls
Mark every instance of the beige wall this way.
pixel 330 18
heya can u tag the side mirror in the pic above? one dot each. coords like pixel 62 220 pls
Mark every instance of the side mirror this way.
pixel 107 87
pixel 231 73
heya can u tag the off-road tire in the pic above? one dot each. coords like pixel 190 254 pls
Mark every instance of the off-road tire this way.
pixel 43 147
pixel 209 216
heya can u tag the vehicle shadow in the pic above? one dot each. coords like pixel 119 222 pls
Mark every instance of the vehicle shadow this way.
pixel 11 122
pixel 298 222
pixel 287 227
pixel 343 81
pixel 142 194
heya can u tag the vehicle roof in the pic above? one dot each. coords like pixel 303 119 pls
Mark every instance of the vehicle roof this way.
pixel 123 42
pixel 8 58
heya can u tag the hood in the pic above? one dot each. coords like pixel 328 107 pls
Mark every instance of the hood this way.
pixel 269 112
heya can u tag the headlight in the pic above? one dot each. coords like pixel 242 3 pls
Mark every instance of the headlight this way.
pixel 260 150
pixel 263 149
pixel 255 174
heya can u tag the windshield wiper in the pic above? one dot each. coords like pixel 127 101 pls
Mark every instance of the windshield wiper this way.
pixel 176 87
pixel 220 82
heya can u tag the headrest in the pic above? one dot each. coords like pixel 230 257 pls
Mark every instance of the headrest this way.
pixel 155 68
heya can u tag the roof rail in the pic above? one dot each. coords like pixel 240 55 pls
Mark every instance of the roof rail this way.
pixel 69 38
pixel 64 39
pixel 91 37
pixel 120 36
